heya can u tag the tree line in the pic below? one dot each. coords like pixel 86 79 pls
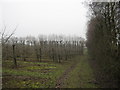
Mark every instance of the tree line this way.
pixel 56 48
pixel 103 38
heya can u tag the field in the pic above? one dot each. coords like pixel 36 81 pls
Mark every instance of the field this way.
pixel 75 73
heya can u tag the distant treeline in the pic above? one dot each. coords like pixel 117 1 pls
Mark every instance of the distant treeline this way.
pixel 103 40
pixel 53 47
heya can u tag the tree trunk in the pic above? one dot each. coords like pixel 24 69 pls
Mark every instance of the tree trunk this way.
pixel 59 58
pixel 40 54
pixel 53 54
pixel 14 57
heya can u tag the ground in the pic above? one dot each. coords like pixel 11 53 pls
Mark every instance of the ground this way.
pixel 74 73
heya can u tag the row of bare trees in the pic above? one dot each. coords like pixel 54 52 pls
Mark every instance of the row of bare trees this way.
pixel 53 47
pixel 103 40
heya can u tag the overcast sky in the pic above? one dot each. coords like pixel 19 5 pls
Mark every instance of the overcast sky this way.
pixel 35 17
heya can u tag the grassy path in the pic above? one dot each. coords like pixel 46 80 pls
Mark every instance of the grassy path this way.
pixel 79 75
pixel 61 79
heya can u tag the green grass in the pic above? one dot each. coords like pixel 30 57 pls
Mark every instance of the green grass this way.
pixel 45 74
pixel 24 73
pixel 39 67
pixel 38 74
pixel 81 76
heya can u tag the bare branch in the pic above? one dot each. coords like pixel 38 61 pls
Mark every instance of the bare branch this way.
pixel 11 34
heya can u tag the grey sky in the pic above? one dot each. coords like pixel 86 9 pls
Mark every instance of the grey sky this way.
pixel 35 17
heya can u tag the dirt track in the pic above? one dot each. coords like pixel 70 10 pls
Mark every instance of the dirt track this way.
pixel 60 81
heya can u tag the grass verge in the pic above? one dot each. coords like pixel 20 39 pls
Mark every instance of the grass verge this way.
pixel 81 76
